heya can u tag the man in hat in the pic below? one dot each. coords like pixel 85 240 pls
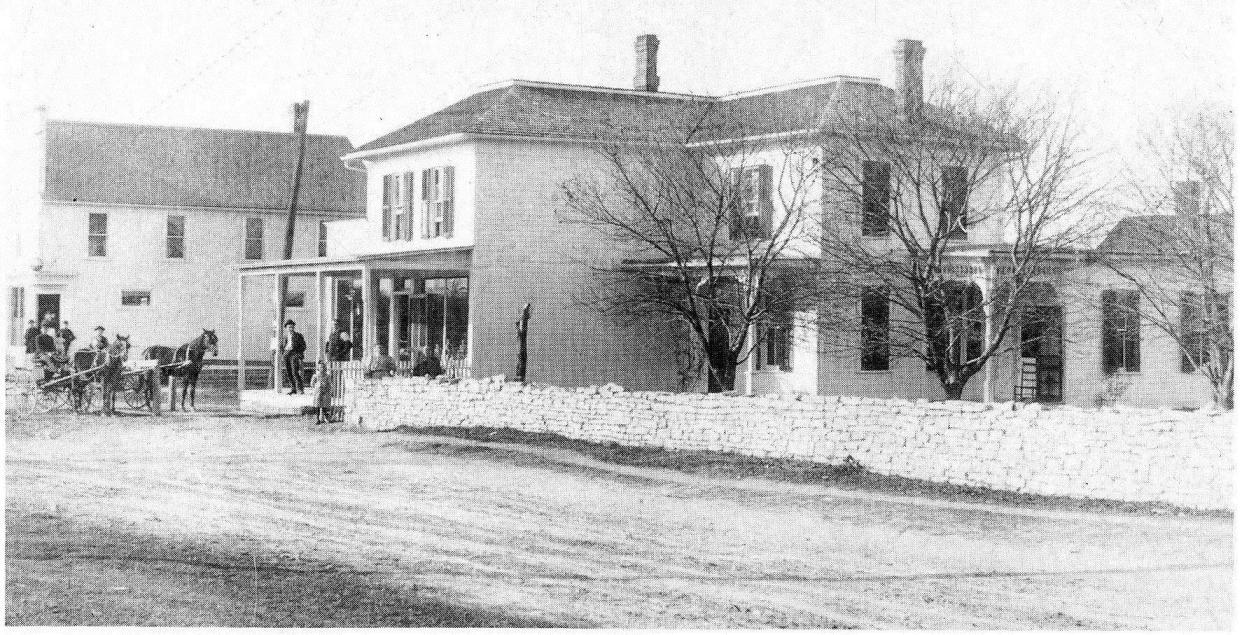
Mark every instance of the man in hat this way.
pixel 68 336
pixel 292 348
pixel 32 332
pixel 100 342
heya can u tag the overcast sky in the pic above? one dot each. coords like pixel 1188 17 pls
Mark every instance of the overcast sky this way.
pixel 371 66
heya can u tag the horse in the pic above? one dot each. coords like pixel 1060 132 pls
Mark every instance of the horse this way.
pixel 113 361
pixel 188 360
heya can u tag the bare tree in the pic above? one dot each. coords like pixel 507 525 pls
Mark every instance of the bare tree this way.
pixel 916 198
pixel 718 232
pixel 1177 248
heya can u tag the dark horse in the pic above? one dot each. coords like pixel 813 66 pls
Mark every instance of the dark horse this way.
pixel 112 359
pixel 185 361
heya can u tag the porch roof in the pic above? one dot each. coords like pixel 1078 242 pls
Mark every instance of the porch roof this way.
pixel 445 258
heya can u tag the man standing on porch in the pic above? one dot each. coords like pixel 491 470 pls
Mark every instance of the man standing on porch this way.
pixel 293 347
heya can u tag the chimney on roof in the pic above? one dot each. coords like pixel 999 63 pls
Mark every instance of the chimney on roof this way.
pixel 909 81
pixel 1186 200
pixel 645 77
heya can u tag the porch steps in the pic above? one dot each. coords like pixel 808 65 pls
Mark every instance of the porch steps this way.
pixel 271 403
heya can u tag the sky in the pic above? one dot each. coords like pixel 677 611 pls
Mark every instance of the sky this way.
pixel 368 67
pixel 371 66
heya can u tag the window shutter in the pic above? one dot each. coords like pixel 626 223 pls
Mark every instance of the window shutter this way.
pixel 1109 324
pixel 425 217
pixel 1132 331
pixel 386 225
pixel 786 334
pixel 407 220
pixel 447 198
pixel 736 204
pixel 765 201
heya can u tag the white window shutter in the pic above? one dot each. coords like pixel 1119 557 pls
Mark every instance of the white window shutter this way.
pixel 447 198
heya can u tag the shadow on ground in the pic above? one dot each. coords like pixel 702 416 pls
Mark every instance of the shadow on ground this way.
pixel 60 572
pixel 850 476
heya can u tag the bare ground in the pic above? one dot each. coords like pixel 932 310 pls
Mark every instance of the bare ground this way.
pixel 393 529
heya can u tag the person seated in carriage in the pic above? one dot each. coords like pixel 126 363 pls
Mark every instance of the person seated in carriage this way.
pixel 48 357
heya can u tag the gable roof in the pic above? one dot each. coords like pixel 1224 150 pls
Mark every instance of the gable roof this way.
pixel 522 108
pixel 1150 234
pixel 196 167
pixel 562 111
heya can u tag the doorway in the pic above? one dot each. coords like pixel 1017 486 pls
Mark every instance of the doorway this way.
pixel 1043 365
pixel 48 304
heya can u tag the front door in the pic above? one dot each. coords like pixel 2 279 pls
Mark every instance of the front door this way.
pixel 49 306
pixel 1043 351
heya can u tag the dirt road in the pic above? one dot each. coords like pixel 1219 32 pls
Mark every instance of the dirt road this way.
pixel 555 537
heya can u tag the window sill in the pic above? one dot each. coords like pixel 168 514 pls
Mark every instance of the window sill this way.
pixel 774 370
pixel 873 372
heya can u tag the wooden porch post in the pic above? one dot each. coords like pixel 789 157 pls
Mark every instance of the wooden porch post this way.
pixel 368 310
pixel 241 334
pixel 319 339
pixel 989 366
pixel 277 380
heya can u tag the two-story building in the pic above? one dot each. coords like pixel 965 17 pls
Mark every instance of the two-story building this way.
pixel 462 230
pixel 141 228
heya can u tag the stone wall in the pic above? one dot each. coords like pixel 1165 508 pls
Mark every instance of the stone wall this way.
pixel 1180 458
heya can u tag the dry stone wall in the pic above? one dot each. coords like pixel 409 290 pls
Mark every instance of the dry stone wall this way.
pixel 1180 458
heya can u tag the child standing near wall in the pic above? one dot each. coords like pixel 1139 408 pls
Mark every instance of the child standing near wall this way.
pixel 323 393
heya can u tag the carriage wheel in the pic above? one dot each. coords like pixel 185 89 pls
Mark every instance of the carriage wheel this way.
pixel 24 398
pixel 134 388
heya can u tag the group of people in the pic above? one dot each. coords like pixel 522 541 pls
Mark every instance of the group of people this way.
pixel 48 342
pixel 338 348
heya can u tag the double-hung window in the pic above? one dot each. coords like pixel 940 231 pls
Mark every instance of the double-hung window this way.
pixel 874 342
pixel 876 187
pixel 254 239
pixel 323 239
pixel 954 191
pixel 775 343
pixel 97 235
pixel 1120 324
pixel 1202 325
pixel 752 215
pixel 175 237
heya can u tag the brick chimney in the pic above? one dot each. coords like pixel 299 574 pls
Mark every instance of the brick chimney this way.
pixel 1186 199
pixel 645 77
pixel 909 79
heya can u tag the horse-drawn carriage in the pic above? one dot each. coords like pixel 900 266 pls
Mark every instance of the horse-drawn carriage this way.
pixel 74 382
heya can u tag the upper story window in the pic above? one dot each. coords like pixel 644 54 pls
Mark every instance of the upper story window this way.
pixel 323 239
pixel 877 177
pixel 752 217
pixel 175 237
pixel 1120 326
pixel 398 208
pixel 254 239
pixel 874 343
pixel 437 197
pixel 954 191
pixel 97 235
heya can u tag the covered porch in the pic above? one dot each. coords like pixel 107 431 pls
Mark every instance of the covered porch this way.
pixel 400 302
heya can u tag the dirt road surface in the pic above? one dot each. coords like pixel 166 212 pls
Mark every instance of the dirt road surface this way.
pixel 530 535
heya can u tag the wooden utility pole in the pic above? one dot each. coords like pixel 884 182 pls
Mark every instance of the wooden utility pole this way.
pixel 521 334
pixel 300 113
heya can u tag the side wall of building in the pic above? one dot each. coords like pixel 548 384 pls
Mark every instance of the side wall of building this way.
pixel 187 294
pixel 526 252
